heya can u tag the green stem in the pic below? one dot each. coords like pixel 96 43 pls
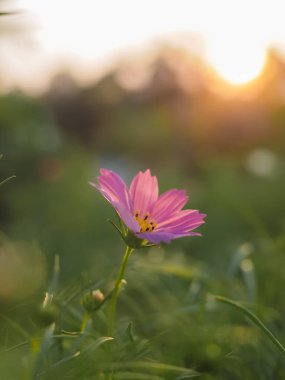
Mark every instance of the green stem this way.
pixel 112 310
pixel 255 319
pixel 85 320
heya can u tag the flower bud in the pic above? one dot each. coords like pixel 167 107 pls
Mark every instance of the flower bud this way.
pixel 97 295
pixel 92 299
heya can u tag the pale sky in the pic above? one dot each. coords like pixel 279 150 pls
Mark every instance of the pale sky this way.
pixel 88 35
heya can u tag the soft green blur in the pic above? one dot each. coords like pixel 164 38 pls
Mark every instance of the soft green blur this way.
pixel 228 152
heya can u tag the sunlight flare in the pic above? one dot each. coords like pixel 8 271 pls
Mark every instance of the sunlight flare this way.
pixel 237 62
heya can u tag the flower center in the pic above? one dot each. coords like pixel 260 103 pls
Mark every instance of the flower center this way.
pixel 146 225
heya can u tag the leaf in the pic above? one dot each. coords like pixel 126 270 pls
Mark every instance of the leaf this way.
pixel 55 276
pixel 7 179
pixel 89 350
pixel 96 344
pixel 254 319
pixel 116 228
pixel 35 340
pixel 136 376
pixel 41 361
pixel 129 332
pixel 156 367
pixel 66 359
pixel 16 326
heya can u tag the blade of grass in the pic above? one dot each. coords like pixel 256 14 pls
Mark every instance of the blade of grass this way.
pixel 30 341
pixel 7 179
pixel 155 367
pixel 137 375
pixel 96 344
pixel 16 327
pixel 42 357
pixel 254 319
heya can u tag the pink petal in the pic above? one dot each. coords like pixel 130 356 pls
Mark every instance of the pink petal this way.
pixel 143 192
pixel 164 236
pixel 114 189
pixel 168 203
pixel 157 237
pixel 166 211
pixel 182 221
pixel 179 225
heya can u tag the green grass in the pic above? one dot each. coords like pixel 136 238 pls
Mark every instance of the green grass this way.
pixel 168 323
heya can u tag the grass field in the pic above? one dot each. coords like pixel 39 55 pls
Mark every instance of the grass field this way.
pixel 57 247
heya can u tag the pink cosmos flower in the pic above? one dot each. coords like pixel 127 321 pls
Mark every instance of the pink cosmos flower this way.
pixel 152 217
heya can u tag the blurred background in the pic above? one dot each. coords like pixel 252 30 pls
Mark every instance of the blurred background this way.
pixel 195 91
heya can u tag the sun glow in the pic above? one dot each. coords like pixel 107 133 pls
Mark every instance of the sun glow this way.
pixel 234 35
pixel 239 63
pixel 237 41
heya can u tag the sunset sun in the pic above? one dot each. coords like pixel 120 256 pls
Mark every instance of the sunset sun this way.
pixel 232 37
pixel 237 62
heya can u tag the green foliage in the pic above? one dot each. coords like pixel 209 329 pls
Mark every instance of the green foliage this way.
pixel 168 325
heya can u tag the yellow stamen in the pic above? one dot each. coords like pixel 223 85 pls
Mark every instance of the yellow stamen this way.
pixel 146 225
